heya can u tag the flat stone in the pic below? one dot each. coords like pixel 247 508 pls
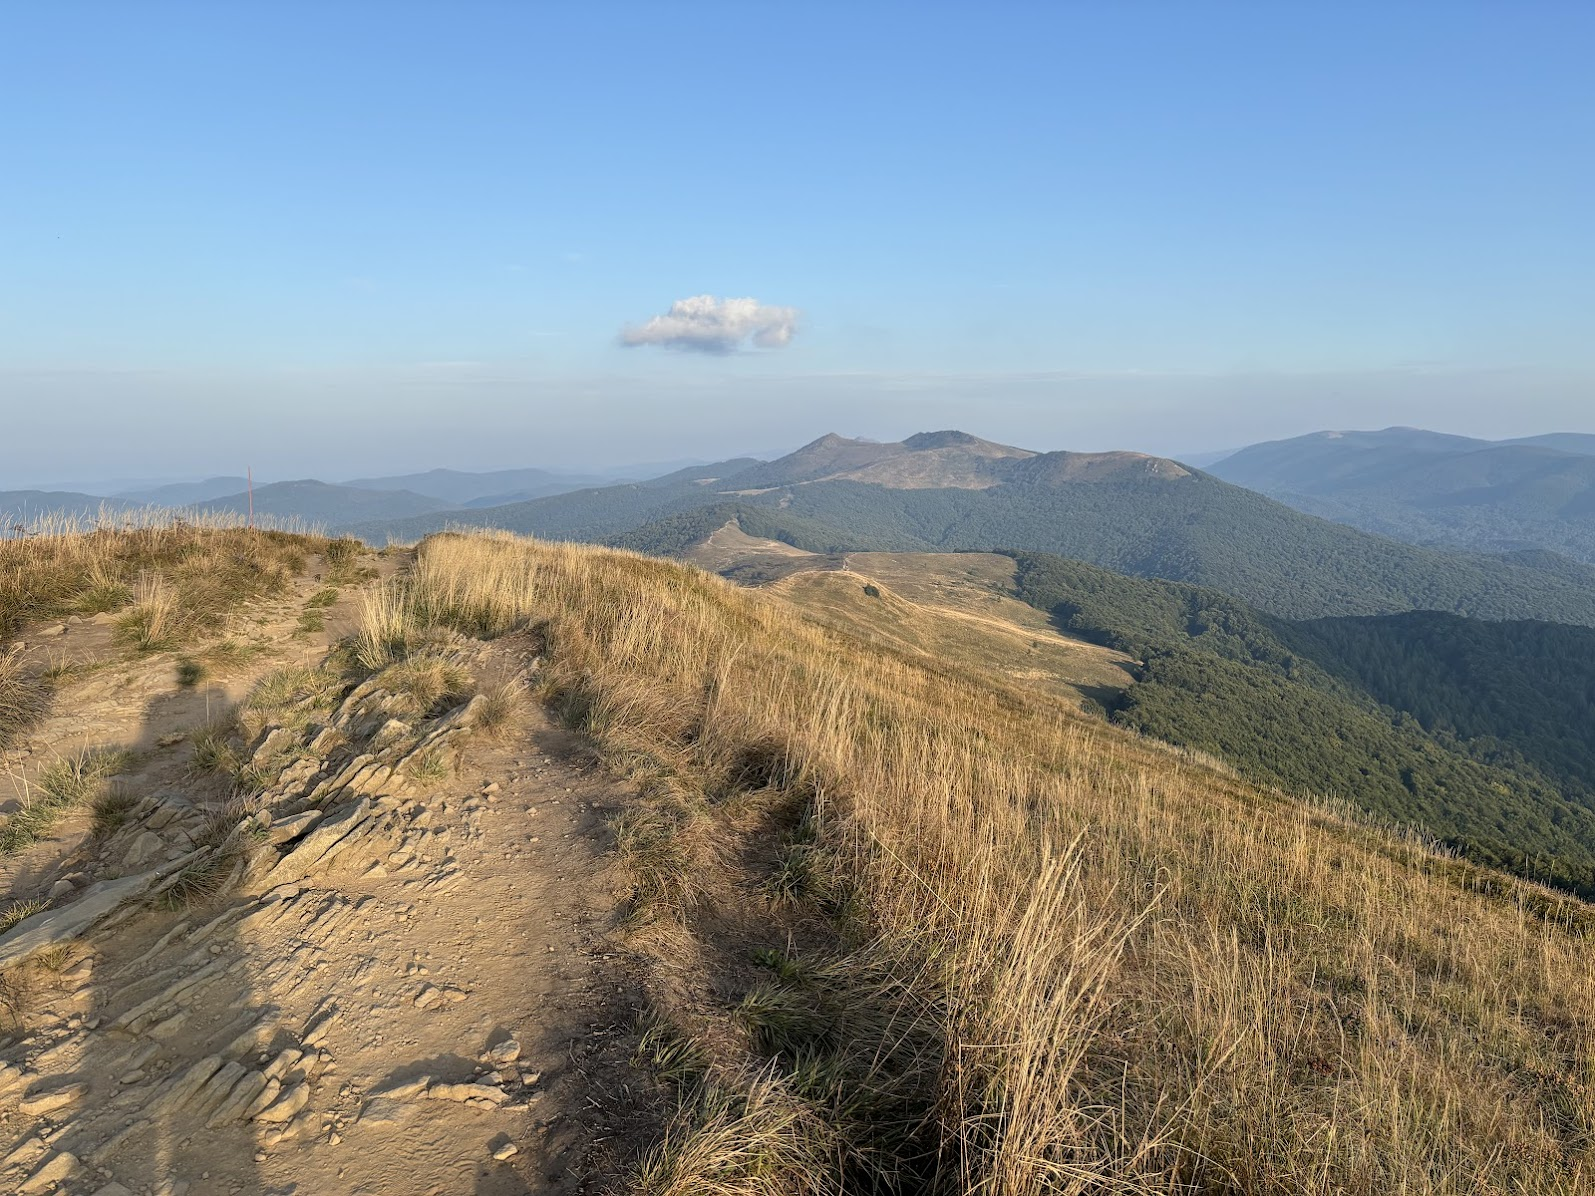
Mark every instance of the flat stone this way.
pixel 504 1052
pixel 384 1110
pixel 273 742
pixel 146 847
pixel 62 888
pixel 285 830
pixel 296 865
pixel 56 926
pixel 169 809
pixel 54 1169
pixel 468 1092
pixel 508 1151
pixel 403 1089
pixel 286 1105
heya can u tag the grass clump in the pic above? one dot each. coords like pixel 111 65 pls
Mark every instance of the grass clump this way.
pixel 16 911
pixel 427 768
pixel 495 713
pixel 388 626
pixel 668 1052
pixel 288 697
pixel 67 782
pixel 175 579
pixel 190 673
pixel 427 685
pixel 154 622
pixel 24 696
pixel 200 883
pixel 111 811
pixel 216 751
pixel 656 849
pixel 748 1138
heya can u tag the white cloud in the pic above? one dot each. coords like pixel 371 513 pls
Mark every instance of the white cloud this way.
pixel 704 324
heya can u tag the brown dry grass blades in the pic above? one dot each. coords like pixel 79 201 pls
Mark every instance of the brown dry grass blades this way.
pixel 1136 973
pixel 169 583
pixel 177 577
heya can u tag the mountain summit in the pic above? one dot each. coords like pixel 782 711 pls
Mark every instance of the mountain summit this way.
pixel 946 460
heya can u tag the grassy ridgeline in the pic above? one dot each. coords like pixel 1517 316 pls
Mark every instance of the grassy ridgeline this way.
pixel 168 583
pixel 1060 958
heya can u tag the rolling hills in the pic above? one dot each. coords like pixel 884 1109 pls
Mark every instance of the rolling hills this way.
pixel 1474 731
pixel 323 504
pixel 1424 487
pixel 1128 512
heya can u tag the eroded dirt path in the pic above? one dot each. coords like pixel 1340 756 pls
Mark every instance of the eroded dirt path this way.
pixel 410 984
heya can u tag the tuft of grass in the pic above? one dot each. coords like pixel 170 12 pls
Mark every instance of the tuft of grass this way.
pixel 190 673
pixel 183 576
pixel 230 653
pixel 388 626
pixel 757 1139
pixel 24 697
pixel 216 750
pixel 153 623
pixel 111 810
pixel 289 697
pixel 201 883
pixel 18 910
pixel 429 684
pixel 427 768
pixel 666 878
pixel 232 836
pixel 66 782
pixel 668 1052
pixel 495 713
pixel 803 874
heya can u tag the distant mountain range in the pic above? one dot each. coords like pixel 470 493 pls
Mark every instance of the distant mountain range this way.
pixel 1431 488
pixel 1138 514
pixel 329 505
pixel 1304 528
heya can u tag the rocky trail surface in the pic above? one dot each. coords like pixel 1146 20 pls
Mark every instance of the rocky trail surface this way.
pixel 385 970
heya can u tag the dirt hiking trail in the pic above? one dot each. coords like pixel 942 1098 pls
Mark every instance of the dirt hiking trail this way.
pixel 390 971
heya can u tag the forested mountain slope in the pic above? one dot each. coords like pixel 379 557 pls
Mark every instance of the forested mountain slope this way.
pixel 1475 731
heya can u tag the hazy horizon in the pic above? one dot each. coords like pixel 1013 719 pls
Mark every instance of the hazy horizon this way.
pixel 361 238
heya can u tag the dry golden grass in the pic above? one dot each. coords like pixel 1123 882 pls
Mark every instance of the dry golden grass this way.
pixel 179 576
pixel 1132 973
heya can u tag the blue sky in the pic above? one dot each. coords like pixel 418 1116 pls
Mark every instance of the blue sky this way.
pixel 339 237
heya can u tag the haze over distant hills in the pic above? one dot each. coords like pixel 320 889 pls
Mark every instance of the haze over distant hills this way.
pixel 1431 488
pixel 1143 515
